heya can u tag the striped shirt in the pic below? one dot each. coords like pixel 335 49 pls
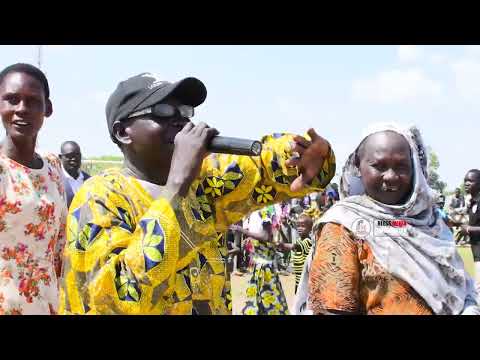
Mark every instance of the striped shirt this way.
pixel 299 256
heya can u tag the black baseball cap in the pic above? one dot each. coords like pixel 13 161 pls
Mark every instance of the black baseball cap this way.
pixel 144 90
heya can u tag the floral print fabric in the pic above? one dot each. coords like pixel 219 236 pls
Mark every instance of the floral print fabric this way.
pixel 32 225
pixel 345 276
pixel 129 253
pixel 265 294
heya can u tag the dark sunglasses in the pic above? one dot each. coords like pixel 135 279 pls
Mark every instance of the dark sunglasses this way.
pixel 165 111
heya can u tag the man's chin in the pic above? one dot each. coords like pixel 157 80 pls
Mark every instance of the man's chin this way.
pixel 72 170
pixel 163 153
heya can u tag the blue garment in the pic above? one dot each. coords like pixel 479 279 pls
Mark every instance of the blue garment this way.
pixel 442 214
pixel 331 193
pixel 68 189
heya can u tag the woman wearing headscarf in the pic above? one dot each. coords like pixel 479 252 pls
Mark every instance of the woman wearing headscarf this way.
pixel 383 249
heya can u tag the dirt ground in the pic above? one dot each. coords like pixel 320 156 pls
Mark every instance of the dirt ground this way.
pixel 239 286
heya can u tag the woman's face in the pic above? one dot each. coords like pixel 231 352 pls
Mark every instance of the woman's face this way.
pixel 386 167
pixel 23 105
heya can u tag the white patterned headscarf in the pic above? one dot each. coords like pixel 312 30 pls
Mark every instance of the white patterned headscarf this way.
pixel 423 253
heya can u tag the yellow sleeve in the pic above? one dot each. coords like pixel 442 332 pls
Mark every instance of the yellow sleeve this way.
pixel 232 186
pixel 116 263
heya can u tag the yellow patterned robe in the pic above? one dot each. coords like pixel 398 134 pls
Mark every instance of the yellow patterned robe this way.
pixel 128 253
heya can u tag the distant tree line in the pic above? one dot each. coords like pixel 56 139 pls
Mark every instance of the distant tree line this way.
pixel 433 178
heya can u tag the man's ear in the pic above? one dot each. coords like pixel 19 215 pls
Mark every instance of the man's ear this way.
pixel 121 134
pixel 48 108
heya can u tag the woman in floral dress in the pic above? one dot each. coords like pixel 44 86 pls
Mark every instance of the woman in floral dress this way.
pixel 32 204
pixel 265 295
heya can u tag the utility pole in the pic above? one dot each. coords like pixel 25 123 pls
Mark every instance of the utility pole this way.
pixel 39 56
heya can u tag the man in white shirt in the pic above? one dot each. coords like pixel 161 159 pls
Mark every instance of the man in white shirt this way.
pixel 71 158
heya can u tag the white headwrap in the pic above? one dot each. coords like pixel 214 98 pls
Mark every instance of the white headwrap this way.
pixel 422 253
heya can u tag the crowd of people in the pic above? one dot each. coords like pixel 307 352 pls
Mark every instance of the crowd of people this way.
pixel 273 240
pixel 163 234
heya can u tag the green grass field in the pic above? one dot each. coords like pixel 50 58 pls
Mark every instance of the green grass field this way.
pixel 467 257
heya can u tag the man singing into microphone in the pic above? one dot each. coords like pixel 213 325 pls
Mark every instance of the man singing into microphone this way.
pixel 146 239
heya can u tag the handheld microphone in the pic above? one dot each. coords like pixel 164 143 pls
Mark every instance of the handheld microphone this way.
pixel 235 146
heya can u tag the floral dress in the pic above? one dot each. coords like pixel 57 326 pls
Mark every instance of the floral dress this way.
pixel 265 295
pixel 32 222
